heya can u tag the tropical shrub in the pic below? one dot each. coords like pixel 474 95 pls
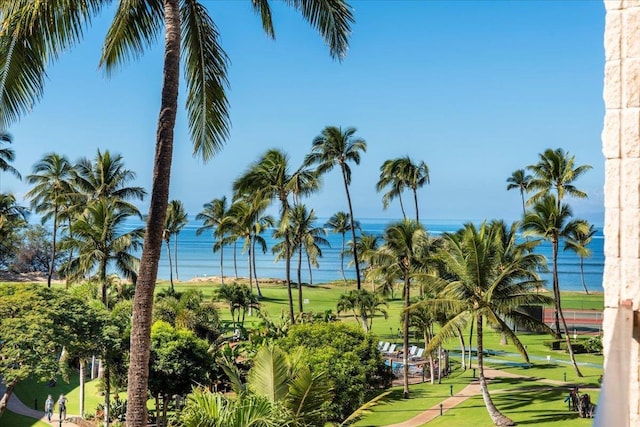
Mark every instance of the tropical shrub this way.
pixel 347 355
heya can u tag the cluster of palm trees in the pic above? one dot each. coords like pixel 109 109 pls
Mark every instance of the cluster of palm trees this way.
pixel 548 216
pixel 88 204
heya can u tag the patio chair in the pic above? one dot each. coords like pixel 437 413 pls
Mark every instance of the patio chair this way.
pixel 418 355
pixel 385 347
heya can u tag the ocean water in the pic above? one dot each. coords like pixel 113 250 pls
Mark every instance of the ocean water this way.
pixel 197 259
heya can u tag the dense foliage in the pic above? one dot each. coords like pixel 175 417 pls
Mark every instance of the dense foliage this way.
pixel 349 358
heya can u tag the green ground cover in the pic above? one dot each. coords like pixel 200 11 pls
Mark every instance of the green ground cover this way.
pixel 537 407
pixel 9 419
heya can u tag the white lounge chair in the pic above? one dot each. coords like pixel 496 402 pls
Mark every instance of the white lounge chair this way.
pixel 391 351
pixel 385 347
pixel 418 355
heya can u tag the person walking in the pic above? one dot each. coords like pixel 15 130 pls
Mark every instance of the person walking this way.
pixel 48 407
pixel 62 407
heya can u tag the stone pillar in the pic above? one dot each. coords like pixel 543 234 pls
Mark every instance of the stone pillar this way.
pixel 621 148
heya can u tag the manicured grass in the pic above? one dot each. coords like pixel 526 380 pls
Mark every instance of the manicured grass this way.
pixel 27 391
pixel 9 419
pixel 542 406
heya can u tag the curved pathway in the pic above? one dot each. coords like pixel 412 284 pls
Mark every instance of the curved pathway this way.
pixel 16 406
pixel 470 390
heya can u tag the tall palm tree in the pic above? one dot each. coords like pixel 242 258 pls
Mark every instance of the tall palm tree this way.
pixel 304 235
pixel 215 217
pixel 578 241
pixel 7 155
pixel 548 221
pixel 485 284
pixel 389 177
pixel 174 222
pixel 36 33
pixel 270 178
pixel 106 177
pixel 340 222
pixel 248 223
pixel 101 243
pixel 556 170
pixel 50 194
pixel 335 147
pixel 367 247
pixel 521 181
pixel 403 242
pixel 400 174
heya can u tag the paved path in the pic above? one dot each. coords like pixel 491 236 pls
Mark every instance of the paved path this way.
pixel 16 406
pixel 470 390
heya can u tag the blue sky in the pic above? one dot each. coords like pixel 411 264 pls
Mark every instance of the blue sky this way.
pixel 475 89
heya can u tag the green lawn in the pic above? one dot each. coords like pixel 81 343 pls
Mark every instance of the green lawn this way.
pixel 9 419
pixel 542 406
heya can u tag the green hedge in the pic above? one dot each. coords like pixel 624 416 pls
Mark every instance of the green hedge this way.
pixel 579 346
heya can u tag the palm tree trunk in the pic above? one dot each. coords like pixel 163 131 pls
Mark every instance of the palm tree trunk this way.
pixel 404 214
pixel 83 374
pixel 107 392
pixel 221 264
pixel 405 335
pixel 462 349
pixel 175 255
pixel 353 228
pixel 287 269
pixel 342 259
pixel 235 258
pixel 143 300
pixel 53 246
pixel 470 345
pixel 102 273
pixel 300 279
pixel 170 266
pixel 309 267
pixel 496 416
pixel 415 200
pixel 556 286
pixel 250 274
pixel 255 273
pixel 584 285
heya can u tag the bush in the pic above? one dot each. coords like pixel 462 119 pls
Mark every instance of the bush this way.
pixel 579 346
pixel 594 344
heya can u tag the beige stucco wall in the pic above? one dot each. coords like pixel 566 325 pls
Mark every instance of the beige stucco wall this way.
pixel 621 148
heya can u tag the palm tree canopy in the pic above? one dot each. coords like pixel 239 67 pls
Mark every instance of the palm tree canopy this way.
pixel 556 169
pixel 339 222
pixel 336 147
pixel 579 238
pixel 520 180
pixel 33 34
pixel 52 187
pixel 175 220
pixel 7 155
pixel 548 221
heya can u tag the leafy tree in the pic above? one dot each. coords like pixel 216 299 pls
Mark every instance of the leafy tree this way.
pixel 270 178
pixel 189 310
pixel 101 244
pixel 340 223
pixel 41 32
pixel 347 355
pixel 486 282
pixel 33 254
pixel 174 222
pixel 578 241
pixel 521 181
pixel 215 217
pixel 334 147
pixel 13 219
pixel 35 324
pixel 51 192
pixel 548 221
pixel 364 305
pixel 179 360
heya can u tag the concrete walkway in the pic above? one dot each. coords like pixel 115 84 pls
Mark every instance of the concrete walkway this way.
pixel 473 389
pixel 16 406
